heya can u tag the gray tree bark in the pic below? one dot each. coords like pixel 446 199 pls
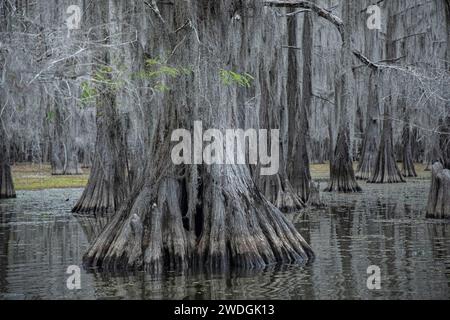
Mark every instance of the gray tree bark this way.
pixel 367 162
pixel 278 188
pixel 179 217
pixel 342 175
pixel 386 169
pixel 298 168
pixel 6 181
pixel 408 169
pixel 108 184
pixel 63 149
pixel 444 142
pixel 439 198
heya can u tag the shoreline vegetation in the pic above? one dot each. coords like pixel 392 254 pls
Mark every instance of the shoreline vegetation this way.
pixel 28 176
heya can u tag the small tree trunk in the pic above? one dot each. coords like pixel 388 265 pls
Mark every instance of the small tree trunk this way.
pixel 444 142
pixel 432 151
pixel 64 154
pixel 439 197
pixel 73 166
pixel 314 199
pixel 408 169
pixel 55 160
pixel 6 181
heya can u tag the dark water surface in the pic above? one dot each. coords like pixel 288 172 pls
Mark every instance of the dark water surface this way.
pixel 384 226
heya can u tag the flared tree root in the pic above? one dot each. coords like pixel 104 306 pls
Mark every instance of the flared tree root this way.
pixel 279 191
pixel 342 174
pixel 231 227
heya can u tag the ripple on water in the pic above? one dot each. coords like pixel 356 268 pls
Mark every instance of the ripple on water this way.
pixel 384 226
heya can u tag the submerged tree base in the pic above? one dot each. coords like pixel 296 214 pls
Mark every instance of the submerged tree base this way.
pixel 7 190
pixel 343 180
pixel 233 225
pixel 6 182
pixel 314 199
pixel 386 169
pixel 364 172
pixel 439 198
pixel 341 171
pixel 98 196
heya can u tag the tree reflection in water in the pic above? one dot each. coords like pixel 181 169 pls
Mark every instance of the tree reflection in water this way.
pixel 384 226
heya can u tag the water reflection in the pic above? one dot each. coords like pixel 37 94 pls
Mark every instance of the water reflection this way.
pixel 92 226
pixel 385 226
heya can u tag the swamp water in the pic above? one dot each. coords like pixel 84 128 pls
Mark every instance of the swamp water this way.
pixel 385 226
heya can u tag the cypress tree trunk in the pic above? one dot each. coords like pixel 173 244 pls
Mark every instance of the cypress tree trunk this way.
pixel 107 186
pixel 182 216
pixel 386 170
pixel 299 169
pixel 342 175
pixel 6 181
pixel 444 142
pixel 408 169
pixel 370 145
pixel 439 197
pixel 341 165
pixel 64 154
pixel 432 151
pixel 278 188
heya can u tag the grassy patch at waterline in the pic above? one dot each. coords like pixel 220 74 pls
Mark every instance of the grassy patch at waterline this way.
pixel 321 172
pixel 39 176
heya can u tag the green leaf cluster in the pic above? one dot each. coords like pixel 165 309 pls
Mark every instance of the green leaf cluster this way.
pixel 87 93
pixel 229 78
pixel 156 69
